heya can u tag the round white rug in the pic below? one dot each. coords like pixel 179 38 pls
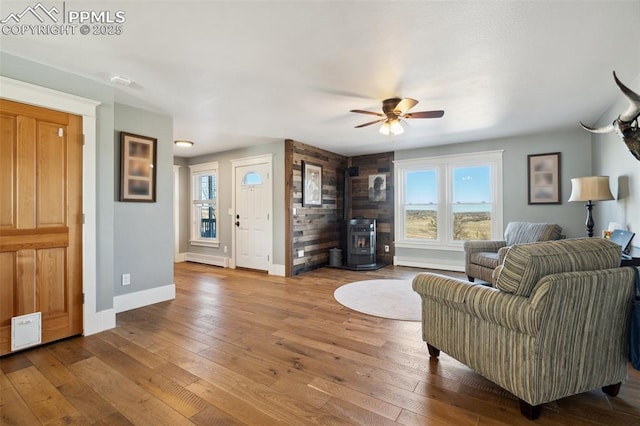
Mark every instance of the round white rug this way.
pixel 394 299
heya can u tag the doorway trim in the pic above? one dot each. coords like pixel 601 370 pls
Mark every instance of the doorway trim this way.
pixel 176 215
pixel 242 162
pixel 19 91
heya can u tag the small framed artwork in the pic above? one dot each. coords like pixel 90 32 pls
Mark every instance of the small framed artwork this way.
pixel 544 178
pixel 137 168
pixel 311 185
pixel 378 187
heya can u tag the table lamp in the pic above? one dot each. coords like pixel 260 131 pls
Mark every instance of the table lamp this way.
pixel 589 189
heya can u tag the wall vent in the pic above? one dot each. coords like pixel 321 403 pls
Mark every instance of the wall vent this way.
pixel 26 331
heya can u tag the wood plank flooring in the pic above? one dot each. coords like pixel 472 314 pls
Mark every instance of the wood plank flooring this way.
pixel 241 347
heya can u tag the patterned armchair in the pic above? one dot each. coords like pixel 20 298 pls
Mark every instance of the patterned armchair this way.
pixel 554 325
pixel 482 257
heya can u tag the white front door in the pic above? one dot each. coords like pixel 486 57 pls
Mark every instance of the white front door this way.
pixel 252 220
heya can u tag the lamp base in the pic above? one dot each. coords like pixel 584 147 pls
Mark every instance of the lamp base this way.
pixel 589 221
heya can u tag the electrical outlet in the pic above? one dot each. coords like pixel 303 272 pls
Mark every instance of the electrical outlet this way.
pixel 126 279
pixel 300 253
pixel 225 249
pixel 386 248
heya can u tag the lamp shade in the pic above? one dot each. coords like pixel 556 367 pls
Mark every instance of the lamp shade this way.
pixel 590 188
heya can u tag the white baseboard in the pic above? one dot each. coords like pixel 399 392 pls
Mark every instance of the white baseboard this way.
pixel 428 263
pixel 126 302
pixel 278 270
pixel 99 321
pixel 207 259
pixel 180 257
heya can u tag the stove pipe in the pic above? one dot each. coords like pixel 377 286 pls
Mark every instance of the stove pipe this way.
pixel 348 172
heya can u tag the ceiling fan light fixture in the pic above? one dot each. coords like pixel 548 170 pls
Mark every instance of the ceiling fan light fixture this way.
pixel 395 127
pixel 385 128
pixel 393 111
pixel 183 143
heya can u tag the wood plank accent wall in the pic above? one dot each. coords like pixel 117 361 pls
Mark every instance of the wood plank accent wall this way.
pixel 313 229
pixel 382 211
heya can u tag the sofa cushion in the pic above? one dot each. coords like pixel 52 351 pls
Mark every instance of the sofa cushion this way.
pixel 525 264
pixel 486 259
pixel 525 232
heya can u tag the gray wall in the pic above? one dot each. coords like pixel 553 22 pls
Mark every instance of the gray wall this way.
pixel 143 241
pixel 184 204
pixel 612 158
pixel 225 222
pixel 575 146
pixel 41 75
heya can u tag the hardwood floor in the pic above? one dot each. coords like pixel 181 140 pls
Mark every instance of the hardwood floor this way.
pixel 241 347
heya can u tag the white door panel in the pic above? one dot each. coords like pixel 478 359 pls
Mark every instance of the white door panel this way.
pixel 253 207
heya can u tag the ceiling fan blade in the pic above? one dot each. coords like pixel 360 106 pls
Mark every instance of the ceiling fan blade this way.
pixel 404 105
pixel 360 111
pixel 370 123
pixel 425 114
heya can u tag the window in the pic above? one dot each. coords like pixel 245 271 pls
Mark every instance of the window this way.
pixel 204 204
pixel 444 201
pixel 252 178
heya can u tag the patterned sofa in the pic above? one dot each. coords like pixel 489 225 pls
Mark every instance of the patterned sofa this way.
pixel 482 257
pixel 554 325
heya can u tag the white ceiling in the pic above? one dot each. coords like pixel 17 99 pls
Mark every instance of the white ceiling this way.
pixel 236 74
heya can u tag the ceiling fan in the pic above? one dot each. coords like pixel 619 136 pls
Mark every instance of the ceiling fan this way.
pixel 393 110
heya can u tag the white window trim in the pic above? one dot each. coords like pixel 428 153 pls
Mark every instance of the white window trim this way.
pixel 443 165
pixel 195 170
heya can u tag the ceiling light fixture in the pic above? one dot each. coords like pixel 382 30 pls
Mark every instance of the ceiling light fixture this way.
pixel 385 128
pixel 396 127
pixel 392 126
pixel 120 81
pixel 183 143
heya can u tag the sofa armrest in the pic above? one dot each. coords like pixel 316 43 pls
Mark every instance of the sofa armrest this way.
pixel 473 246
pixel 485 303
pixel 502 253
pixel 504 309
pixel 447 290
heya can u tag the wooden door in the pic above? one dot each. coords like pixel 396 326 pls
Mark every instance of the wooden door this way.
pixel 40 219
pixel 253 195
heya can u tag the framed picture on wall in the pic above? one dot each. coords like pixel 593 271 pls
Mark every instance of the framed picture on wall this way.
pixel 544 178
pixel 311 185
pixel 378 187
pixel 137 168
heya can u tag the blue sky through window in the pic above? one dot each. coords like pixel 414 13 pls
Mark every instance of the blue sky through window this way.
pixel 421 187
pixel 470 185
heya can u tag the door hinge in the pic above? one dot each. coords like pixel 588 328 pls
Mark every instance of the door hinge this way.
pixel 267 216
pixel 83 139
pixel 268 258
pixel 83 218
pixel 83 298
